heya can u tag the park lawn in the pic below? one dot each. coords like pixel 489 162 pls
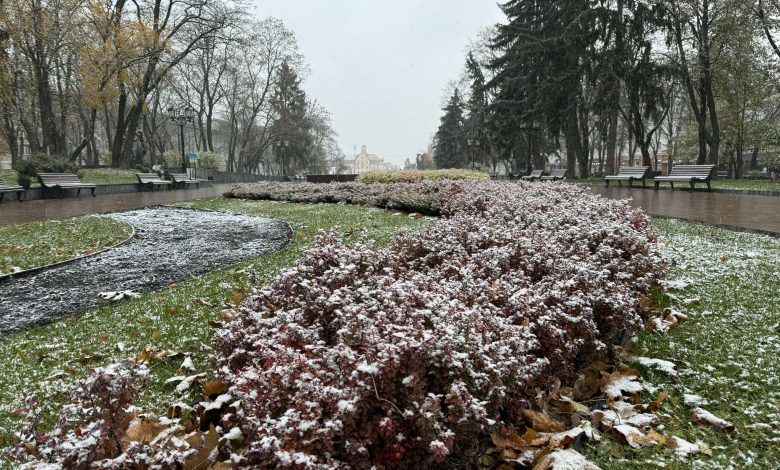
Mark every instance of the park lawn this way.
pixel 44 360
pixel 33 244
pixel 88 175
pixel 108 176
pixel 8 177
pixel 726 352
pixel 742 184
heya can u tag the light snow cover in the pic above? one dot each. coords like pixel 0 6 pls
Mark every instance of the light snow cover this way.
pixel 667 367
pixel 514 285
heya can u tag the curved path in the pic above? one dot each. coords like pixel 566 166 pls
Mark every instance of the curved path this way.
pixel 735 211
pixel 170 245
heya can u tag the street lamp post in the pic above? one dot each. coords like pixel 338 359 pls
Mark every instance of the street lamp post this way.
pixel 181 117
pixel 473 145
pixel 530 129
pixel 281 145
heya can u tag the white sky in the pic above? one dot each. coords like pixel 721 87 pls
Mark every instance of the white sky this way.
pixel 381 66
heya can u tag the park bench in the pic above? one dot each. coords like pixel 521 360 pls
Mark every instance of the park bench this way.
pixel 630 174
pixel 555 175
pixel 151 179
pixel 690 174
pixel 183 180
pixel 11 189
pixel 63 181
pixel 535 175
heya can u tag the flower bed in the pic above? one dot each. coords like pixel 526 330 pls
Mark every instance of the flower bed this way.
pixel 359 357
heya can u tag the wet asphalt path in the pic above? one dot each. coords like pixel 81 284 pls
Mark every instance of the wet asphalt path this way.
pixel 170 245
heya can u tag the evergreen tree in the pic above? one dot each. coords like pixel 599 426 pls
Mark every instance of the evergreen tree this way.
pixel 291 124
pixel 449 151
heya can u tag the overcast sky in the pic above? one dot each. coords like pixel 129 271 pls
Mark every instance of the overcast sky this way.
pixel 381 67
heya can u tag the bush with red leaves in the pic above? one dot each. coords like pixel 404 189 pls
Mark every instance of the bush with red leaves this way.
pixel 361 357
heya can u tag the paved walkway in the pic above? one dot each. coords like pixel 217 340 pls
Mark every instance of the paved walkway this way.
pixel 739 211
pixel 13 212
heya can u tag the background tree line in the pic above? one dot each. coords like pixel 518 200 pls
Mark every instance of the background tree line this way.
pixel 92 81
pixel 588 81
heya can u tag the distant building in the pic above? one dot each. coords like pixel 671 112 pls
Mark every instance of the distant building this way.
pixel 365 161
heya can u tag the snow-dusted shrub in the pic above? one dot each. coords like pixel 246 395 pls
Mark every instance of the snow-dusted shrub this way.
pixel 91 425
pixel 413 176
pixel 360 357
pixel 411 197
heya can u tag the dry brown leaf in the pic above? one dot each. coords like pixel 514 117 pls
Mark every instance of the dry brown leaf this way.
pixel 237 297
pixel 143 429
pixel 656 404
pixel 565 439
pixel 228 314
pixel 541 422
pixel 705 418
pixel 214 388
pixel 681 446
pixel 635 437
pixel 205 443
pixel 563 459
pixel 624 382
pixel 507 440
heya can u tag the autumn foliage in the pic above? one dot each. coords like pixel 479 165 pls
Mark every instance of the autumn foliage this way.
pixel 362 357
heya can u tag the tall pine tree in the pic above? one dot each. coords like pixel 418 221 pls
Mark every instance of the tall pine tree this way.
pixel 291 124
pixel 450 138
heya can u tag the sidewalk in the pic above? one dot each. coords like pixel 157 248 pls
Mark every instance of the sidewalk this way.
pixel 13 212
pixel 735 211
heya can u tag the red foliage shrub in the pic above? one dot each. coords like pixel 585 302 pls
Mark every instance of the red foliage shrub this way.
pixel 363 357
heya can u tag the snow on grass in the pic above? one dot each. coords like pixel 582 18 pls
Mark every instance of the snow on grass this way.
pixel 43 360
pixel 34 244
pixel 725 352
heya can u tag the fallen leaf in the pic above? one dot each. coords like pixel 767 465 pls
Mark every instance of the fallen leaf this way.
pixel 622 382
pixel 205 443
pixel 228 314
pixel 636 438
pixel 187 382
pixel 507 440
pixel 541 422
pixel 142 429
pixel 564 459
pixel 705 418
pixel 214 388
pixel 237 296
pixel 681 446
pixel 656 404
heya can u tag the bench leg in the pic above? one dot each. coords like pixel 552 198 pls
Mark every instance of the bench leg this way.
pixel 709 189
pixel 671 183
pixel 93 191
pixel 19 195
pixel 2 195
pixel 693 185
pixel 78 192
pixel 656 184
pixel 607 181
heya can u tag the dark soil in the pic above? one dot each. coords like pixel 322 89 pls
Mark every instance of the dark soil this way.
pixel 170 245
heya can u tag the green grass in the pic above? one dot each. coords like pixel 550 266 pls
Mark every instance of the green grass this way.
pixel 743 184
pixel 727 352
pixel 34 244
pixel 88 175
pixel 8 177
pixel 108 176
pixel 45 359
